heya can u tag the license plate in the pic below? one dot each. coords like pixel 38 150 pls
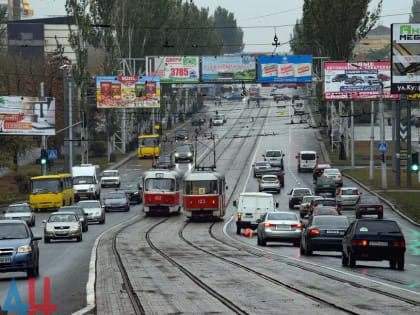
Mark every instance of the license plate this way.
pixel 332 232
pixel 282 227
pixel 61 232
pixel 5 260
pixel 374 243
pixel 82 195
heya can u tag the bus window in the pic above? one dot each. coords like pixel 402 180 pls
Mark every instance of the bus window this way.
pixel 46 185
pixel 149 142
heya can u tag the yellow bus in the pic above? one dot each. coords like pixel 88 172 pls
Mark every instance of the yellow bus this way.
pixel 148 146
pixel 51 192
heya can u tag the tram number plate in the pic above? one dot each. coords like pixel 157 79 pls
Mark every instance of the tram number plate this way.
pixel 5 260
pixel 378 243
pixel 201 201
pixel 158 197
pixel 282 227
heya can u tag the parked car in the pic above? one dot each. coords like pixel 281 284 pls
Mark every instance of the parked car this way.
pixel 279 226
pixel 369 205
pixel 182 135
pixel 63 225
pixel 347 197
pixel 19 248
pixel 81 214
pixel 375 240
pixel 20 211
pixel 132 192
pixel 184 153
pixel 319 169
pixel 110 178
pixel 116 200
pixel 269 183
pixel 296 196
pixel 261 168
pixel 325 185
pixel 323 233
pixel 275 158
pixel 94 210
pixel 305 206
pixel 335 174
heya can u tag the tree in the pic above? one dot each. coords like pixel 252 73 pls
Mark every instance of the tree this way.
pixel 415 12
pixel 228 30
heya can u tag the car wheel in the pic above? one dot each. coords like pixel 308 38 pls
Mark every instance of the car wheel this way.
pixel 352 260
pixel 127 209
pixel 238 230
pixel 392 264
pixel 258 240
pixel 31 273
pixel 263 242
pixel 102 221
pixel 308 250
pixel 80 238
pixel 290 206
pixel 344 260
pixel 33 224
pixel 255 175
pixel 47 240
pixel 302 249
pixel 380 216
pixel 400 263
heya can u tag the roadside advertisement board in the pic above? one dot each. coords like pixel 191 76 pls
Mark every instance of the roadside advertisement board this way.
pixel 357 80
pixel 174 69
pixel 27 116
pixel 405 58
pixel 284 69
pixel 228 68
pixel 128 92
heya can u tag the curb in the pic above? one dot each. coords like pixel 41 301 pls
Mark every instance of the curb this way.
pixel 390 204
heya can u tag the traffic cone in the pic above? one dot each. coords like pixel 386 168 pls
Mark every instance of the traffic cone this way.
pixel 246 232
pixel 251 233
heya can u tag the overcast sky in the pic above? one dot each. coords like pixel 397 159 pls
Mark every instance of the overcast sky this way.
pixel 254 15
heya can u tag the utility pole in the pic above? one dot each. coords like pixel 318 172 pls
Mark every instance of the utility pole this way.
pixel 70 121
pixel 44 138
pixel 372 139
pixel 408 143
pixel 352 132
pixel 382 131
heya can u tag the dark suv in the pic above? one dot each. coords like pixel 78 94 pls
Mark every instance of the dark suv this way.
pixel 19 248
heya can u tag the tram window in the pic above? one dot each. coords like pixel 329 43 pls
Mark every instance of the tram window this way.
pixel 159 184
pixel 201 187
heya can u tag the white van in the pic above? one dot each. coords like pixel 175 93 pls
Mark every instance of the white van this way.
pixel 86 181
pixel 251 206
pixel 307 160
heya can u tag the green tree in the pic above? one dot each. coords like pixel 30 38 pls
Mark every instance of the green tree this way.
pixel 228 30
pixel 415 12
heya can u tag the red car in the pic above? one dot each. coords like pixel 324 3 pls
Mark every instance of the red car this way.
pixel 369 205
pixel 319 168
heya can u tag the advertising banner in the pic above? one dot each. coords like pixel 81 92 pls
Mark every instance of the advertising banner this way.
pixel 228 68
pixel 284 69
pixel 128 92
pixel 405 58
pixel 27 116
pixel 174 69
pixel 357 80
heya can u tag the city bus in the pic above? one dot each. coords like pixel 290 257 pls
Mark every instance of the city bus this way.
pixel 51 192
pixel 148 146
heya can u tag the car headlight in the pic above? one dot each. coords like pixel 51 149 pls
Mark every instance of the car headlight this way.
pixel 49 228
pixel 136 193
pixel 189 154
pixel 176 154
pixel 74 228
pixel 24 249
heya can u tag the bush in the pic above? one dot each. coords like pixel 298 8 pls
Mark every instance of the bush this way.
pixel 98 148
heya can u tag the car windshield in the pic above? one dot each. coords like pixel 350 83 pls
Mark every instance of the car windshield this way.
pixel 83 180
pixel 259 164
pixel 18 209
pixel 131 186
pixel 282 216
pixel 46 185
pixel 181 132
pixel 338 220
pixel 307 199
pixel 13 231
pixel 349 192
pixel 149 142
pixel 116 196
pixel 301 192
pixel 183 149
pixel 62 218
pixel 273 154
pixel 89 204
pixel 308 156
pixel 377 226
pixel 332 171
pixel 160 184
pixel 370 199
pixel 111 173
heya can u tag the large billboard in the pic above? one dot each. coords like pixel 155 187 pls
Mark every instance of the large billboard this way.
pixel 228 68
pixel 27 116
pixel 174 69
pixel 405 58
pixel 128 92
pixel 357 80
pixel 284 69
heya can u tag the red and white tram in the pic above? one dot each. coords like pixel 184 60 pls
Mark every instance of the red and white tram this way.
pixel 204 194
pixel 162 190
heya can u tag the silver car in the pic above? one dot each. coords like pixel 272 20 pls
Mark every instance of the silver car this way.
pixel 95 212
pixel 348 197
pixel 261 168
pixel 335 174
pixel 20 211
pixel 279 226
pixel 62 225
pixel 269 183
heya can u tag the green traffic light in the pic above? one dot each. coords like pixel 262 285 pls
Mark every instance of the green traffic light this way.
pixel 414 167
pixel 43 161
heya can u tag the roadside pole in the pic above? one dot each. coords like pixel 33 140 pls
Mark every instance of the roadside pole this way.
pixel 352 132
pixel 382 130
pixel 372 138
pixel 70 122
pixel 43 139
pixel 408 143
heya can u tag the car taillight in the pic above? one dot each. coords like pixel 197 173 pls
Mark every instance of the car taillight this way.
pixel 298 226
pixel 339 176
pixel 314 231
pixel 358 192
pixel 362 208
pixel 324 176
pixel 398 243
pixel 269 224
pixel 341 193
pixel 336 207
pixel 359 242
pixel 277 181
pixel 239 215
pixel 380 208
pixel 313 207
pixel 261 181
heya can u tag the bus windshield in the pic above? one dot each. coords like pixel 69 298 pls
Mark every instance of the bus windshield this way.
pixel 148 142
pixel 46 186
pixel 160 184
pixel 200 187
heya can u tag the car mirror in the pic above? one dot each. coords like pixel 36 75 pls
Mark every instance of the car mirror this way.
pixel 36 238
pixel 297 156
pixel 235 203
pixel 263 155
pixel 253 165
pixel 44 221
pixel 284 154
pixel 227 187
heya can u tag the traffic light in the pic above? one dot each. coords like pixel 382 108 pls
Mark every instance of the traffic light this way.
pixel 44 157
pixel 415 162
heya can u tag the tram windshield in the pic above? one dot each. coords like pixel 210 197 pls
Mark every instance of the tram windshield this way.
pixel 201 187
pixel 160 184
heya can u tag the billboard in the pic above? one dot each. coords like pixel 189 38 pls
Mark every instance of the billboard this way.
pixel 284 69
pixel 405 58
pixel 357 80
pixel 174 69
pixel 128 92
pixel 27 116
pixel 228 68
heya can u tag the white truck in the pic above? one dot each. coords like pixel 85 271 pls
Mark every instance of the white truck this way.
pixel 86 181
pixel 251 206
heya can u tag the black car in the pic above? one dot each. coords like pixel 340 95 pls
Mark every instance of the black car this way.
pixel 164 161
pixel 184 153
pixel 182 135
pixel 375 240
pixel 82 215
pixel 117 200
pixel 325 202
pixel 324 233
pixel 196 121
pixel 132 191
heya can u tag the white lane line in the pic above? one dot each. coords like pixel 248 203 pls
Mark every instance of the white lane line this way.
pixel 290 155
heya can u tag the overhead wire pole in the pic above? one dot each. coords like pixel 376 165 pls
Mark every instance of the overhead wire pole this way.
pixel 43 139
pixel 352 133
pixel 372 139
pixel 382 132
pixel 70 121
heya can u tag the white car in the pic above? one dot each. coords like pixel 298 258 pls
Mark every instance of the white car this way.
pixel 275 157
pixel 348 197
pixel 20 211
pixel 111 178
pixel 219 120
pixel 335 174
pixel 95 212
